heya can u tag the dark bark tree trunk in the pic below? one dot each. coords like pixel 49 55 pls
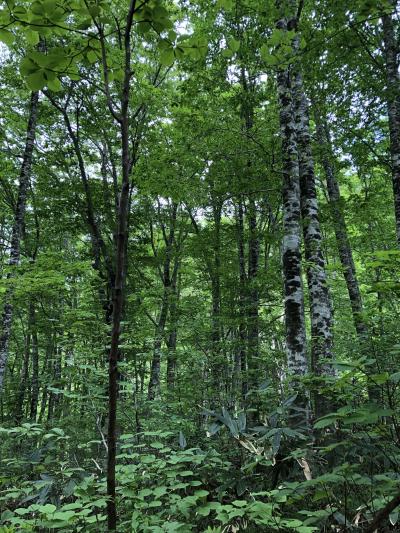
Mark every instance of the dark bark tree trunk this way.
pixel 173 334
pixel 155 369
pixel 120 265
pixel 99 249
pixel 19 219
pixel 46 375
pixel 340 228
pixel 393 106
pixel 35 365
pixel 253 296
pixel 19 409
pixel 166 278
pixel 319 297
pixel 217 364
pixel 242 354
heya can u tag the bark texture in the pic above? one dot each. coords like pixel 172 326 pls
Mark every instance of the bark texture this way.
pixel 242 353
pixel 121 241
pixel 339 223
pixel 19 219
pixel 319 296
pixel 35 369
pixel 291 246
pixel 393 107
pixel 166 278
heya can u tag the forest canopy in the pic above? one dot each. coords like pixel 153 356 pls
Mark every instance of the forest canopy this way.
pixel 199 266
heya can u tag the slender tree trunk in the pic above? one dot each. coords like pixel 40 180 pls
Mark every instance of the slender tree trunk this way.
pixel 35 365
pixel 120 269
pixel 166 278
pixel 56 399
pixel 320 301
pixel 253 243
pixel 19 219
pixel 154 382
pixel 217 361
pixel 24 378
pixel 340 228
pixel 253 297
pixel 242 300
pixel 46 375
pixel 393 106
pixel 172 338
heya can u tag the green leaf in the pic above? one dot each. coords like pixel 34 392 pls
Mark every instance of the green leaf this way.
pixel 167 57
pixel 225 4
pixel 49 508
pixel 54 85
pixel 201 493
pixel 233 44
pixel 63 515
pixel 32 37
pixel 36 81
pixel 27 66
pixel 157 445
pixel 91 56
pixel 239 503
pixel 227 53
pixel 6 37
pixel 264 52
pixel 325 421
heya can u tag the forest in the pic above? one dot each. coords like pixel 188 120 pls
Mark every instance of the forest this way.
pixel 200 266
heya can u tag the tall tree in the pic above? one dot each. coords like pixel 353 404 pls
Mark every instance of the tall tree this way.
pixel 393 103
pixel 291 245
pixel 19 219
pixel 320 301
pixel 339 223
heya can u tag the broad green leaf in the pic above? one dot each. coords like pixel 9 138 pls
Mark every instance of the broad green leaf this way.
pixel 36 81
pixel 32 37
pixel 167 57
pixel 6 37
pixel 54 85
pixel 233 44
pixel 227 53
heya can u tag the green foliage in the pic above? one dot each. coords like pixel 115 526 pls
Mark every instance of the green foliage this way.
pixel 230 442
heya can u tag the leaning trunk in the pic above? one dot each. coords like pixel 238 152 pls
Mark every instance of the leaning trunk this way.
pixel 339 223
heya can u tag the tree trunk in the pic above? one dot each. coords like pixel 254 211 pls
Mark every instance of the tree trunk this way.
pixel 253 297
pixel 19 219
pixel 35 365
pixel 217 356
pixel 320 301
pixel 253 243
pixel 120 269
pixel 172 338
pixel 291 246
pixel 242 355
pixel 393 107
pixel 166 278
pixel 340 228
pixel 24 377
pixel 46 375
pixel 154 382
pixel 291 252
